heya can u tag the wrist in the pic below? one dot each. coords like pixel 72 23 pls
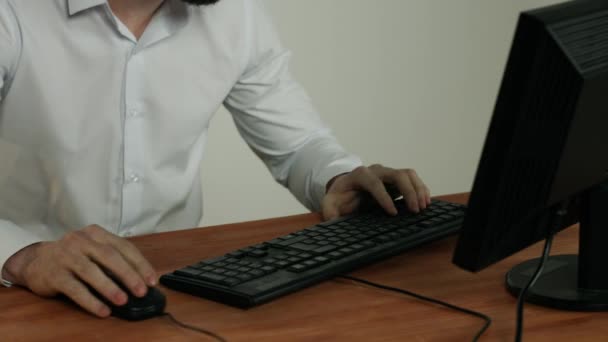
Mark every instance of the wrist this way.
pixel 12 271
pixel 331 181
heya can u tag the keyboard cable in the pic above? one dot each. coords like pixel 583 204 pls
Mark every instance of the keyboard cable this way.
pixel 486 318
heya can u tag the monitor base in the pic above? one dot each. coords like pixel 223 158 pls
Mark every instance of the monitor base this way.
pixel 557 285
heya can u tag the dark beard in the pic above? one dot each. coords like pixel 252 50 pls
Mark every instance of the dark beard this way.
pixel 200 2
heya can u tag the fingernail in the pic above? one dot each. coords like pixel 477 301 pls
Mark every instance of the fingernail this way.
pixel 104 311
pixel 120 298
pixel 152 280
pixel 141 290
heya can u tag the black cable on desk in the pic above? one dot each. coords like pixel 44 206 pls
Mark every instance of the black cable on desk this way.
pixel 197 329
pixel 553 228
pixel 522 294
pixel 428 299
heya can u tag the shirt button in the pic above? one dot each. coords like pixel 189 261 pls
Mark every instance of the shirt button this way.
pixel 133 178
pixel 133 113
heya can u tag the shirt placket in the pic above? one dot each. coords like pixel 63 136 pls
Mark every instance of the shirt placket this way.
pixel 134 148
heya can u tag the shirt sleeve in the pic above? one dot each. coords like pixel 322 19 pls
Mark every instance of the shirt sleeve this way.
pixel 9 46
pixel 12 237
pixel 275 116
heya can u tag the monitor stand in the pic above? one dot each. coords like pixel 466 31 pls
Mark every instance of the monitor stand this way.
pixel 573 282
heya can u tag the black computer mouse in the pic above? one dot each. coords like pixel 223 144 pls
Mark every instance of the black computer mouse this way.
pixel 136 309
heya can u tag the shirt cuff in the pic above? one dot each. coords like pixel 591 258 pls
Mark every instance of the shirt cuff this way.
pixel 332 170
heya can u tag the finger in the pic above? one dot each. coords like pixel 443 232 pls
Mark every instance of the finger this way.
pixel 329 209
pixel 422 191
pixel 333 204
pixel 91 274
pixel 136 259
pixel 100 247
pixel 404 183
pixel 372 183
pixel 350 206
pixel 77 292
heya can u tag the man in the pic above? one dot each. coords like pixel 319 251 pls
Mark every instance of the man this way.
pixel 103 119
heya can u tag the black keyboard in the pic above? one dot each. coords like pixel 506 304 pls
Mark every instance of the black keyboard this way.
pixel 257 274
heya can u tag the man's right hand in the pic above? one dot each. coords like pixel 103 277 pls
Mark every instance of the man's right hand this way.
pixel 82 258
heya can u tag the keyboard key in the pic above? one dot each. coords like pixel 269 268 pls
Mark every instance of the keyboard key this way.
pixel 268 269
pixel 292 240
pixel 212 277
pixel 297 268
pixel 382 239
pixel 270 260
pixel 357 247
pixel 188 272
pixel 231 281
pixel 282 263
pixel 336 255
pixel 236 254
pixel 310 263
pixel 258 253
pixel 325 249
pixel 304 247
pixel 346 250
pixel 244 276
pixel 257 272
pixel 322 259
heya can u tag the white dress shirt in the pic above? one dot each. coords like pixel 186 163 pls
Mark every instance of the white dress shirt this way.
pixel 97 127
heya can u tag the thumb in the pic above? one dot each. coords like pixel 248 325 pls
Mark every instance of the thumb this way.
pixel 329 208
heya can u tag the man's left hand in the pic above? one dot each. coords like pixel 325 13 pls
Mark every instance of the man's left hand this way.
pixel 345 192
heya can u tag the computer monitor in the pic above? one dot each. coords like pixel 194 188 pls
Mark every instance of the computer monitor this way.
pixel 546 149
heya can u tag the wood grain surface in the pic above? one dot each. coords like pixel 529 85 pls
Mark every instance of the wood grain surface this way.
pixel 335 310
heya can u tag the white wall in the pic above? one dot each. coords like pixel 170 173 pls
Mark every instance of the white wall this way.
pixel 406 83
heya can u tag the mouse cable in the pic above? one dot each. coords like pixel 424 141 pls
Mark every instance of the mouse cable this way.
pixel 486 318
pixel 194 328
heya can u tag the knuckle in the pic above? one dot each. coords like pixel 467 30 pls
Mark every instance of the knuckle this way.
pixel 68 286
pixel 107 252
pixel 80 267
pixel 93 230
pixel 360 170
pixel 72 237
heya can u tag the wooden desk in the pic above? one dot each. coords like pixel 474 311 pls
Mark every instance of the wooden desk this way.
pixel 335 310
